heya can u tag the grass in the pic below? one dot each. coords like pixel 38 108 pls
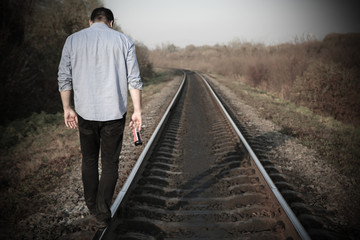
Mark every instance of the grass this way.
pixel 337 142
pixel 38 150
pixel 35 152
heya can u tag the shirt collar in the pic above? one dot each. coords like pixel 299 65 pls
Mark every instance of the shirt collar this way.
pixel 99 25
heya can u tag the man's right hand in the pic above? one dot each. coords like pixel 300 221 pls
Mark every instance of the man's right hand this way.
pixel 70 117
pixel 136 121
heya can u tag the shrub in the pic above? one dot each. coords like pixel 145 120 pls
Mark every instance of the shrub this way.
pixel 258 74
pixel 330 89
pixel 142 54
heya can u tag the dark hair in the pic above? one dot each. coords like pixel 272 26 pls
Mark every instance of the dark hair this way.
pixel 102 14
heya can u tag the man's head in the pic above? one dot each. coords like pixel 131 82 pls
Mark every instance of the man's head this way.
pixel 103 15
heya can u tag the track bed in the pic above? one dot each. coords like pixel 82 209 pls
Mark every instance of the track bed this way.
pixel 199 182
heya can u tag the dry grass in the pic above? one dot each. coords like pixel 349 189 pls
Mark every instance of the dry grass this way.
pixel 35 152
pixel 321 75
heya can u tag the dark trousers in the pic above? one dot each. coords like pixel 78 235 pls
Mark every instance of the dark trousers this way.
pixel 107 137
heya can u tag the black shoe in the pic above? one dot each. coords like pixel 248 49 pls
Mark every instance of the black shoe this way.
pixel 92 221
pixel 101 224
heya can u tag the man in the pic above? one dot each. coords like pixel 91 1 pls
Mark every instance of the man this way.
pixel 99 65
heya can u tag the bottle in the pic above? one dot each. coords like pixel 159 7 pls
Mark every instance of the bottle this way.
pixel 137 137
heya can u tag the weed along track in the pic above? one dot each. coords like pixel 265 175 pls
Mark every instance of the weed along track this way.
pixel 196 179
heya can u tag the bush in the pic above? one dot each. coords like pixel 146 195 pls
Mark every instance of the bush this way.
pixel 331 89
pixel 142 54
pixel 258 74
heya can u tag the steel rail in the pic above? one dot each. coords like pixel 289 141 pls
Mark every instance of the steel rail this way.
pixel 142 156
pixel 298 226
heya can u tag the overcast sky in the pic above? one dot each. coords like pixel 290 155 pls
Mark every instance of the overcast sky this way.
pixel 210 22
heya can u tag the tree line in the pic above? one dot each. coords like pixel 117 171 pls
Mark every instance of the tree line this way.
pixel 32 36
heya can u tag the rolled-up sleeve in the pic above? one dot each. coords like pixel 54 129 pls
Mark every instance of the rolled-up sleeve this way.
pixel 65 71
pixel 133 71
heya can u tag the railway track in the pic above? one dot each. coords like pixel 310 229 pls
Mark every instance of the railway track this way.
pixel 197 178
